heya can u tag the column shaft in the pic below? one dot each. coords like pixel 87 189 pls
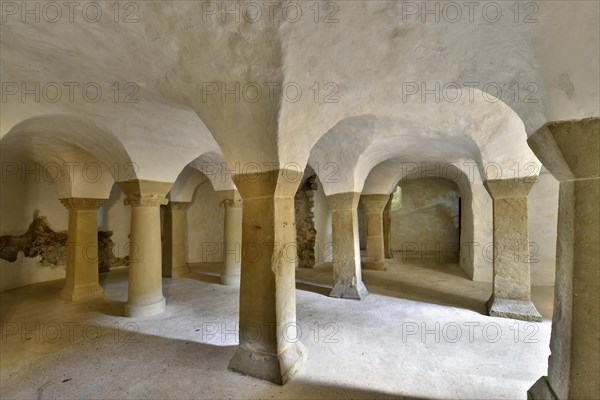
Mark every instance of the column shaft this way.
pixel 81 281
pixel 269 347
pixel 145 295
pixel 511 295
pixel 387 226
pixel 232 240
pixel 373 206
pixel 570 150
pixel 347 276
pixel 174 260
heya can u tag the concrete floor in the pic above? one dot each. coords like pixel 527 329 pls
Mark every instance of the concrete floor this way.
pixel 368 349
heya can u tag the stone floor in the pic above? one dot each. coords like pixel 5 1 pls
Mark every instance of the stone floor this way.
pixel 402 341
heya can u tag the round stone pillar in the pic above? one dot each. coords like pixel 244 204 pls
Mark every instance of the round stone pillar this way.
pixel 511 294
pixel 387 225
pixel 232 237
pixel 173 256
pixel 145 295
pixel 571 152
pixel 373 206
pixel 269 347
pixel 81 281
pixel 347 276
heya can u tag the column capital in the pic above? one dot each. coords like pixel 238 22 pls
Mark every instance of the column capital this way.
pixel 80 203
pixel 231 203
pixel 276 182
pixel 343 201
pixel 142 193
pixel 374 203
pixel 148 200
pixel 509 188
pixel 176 205
pixel 569 149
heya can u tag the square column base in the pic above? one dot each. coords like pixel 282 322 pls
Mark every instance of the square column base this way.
pixel 375 265
pixel 541 390
pixel 82 293
pixel 352 292
pixel 145 310
pixel 276 368
pixel 515 309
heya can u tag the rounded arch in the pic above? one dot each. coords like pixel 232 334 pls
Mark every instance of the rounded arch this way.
pixel 84 157
pixel 476 206
pixel 486 132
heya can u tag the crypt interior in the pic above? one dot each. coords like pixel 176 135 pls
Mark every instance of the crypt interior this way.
pixel 325 199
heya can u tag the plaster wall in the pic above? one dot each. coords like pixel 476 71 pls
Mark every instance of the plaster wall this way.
pixel 204 226
pixel 428 218
pixel 20 197
pixel 116 217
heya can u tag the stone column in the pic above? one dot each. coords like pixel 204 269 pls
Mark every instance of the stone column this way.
pixel 347 277
pixel 387 222
pixel 373 205
pixel 511 294
pixel 571 152
pixel 268 348
pixel 82 250
pixel 145 295
pixel 232 237
pixel 174 239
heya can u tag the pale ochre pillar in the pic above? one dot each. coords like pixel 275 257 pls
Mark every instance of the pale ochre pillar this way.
pixel 269 344
pixel 347 276
pixel 387 226
pixel 571 152
pixel 174 256
pixel 82 250
pixel 232 236
pixel 145 295
pixel 373 206
pixel 511 293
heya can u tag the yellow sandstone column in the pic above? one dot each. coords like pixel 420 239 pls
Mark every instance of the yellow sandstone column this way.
pixel 174 240
pixel 145 271
pixel 232 236
pixel 373 206
pixel 82 250
pixel 269 342
pixel 347 276
pixel 511 295
pixel 571 152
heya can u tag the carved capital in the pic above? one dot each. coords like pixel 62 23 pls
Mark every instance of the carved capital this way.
pixel 231 203
pixel 176 205
pixel 80 203
pixel 146 200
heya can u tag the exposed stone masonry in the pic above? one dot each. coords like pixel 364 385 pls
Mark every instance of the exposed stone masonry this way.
pixel 306 234
pixel 41 240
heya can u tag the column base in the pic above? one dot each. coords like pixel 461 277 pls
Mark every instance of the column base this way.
pixel 230 280
pixel 276 368
pixel 352 292
pixel 177 272
pixel 515 309
pixel 389 255
pixel 145 310
pixel 375 265
pixel 80 293
pixel 541 390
